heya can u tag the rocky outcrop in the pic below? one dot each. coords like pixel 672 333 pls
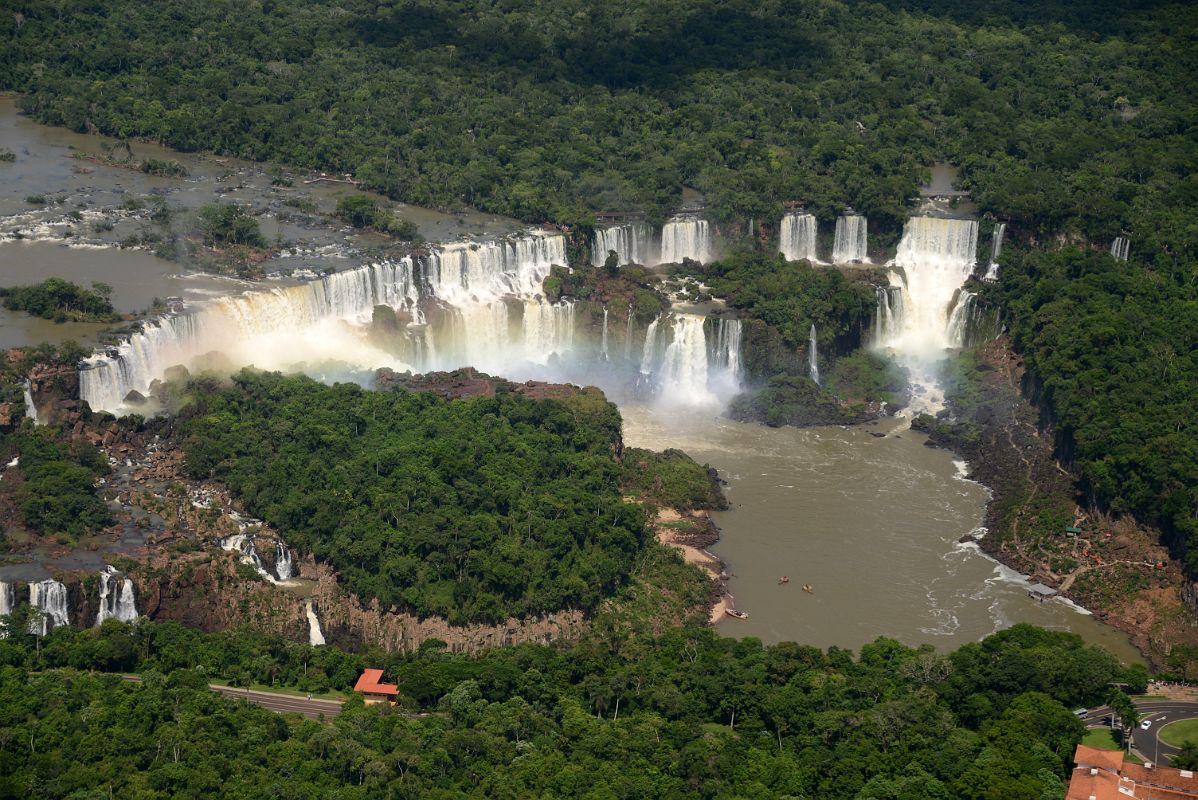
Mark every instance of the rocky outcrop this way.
pixel 469 382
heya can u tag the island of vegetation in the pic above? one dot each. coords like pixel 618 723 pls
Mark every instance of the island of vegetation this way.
pixel 60 300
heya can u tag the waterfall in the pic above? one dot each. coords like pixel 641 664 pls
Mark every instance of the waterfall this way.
pixel 937 257
pixel 630 242
pixel 1000 229
pixel 1121 248
pixel 888 318
pixel 49 597
pixel 116 597
pixel 548 330
pixel 8 598
pixel 649 352
pixel 315 636
pixel 686 237
pixel 283 566
pixel 725 355
pixel 798 237
pixel 243 544
pixel 851 242
pixel 684 365
pixel 603 347
pixel 30 408
pixel 813 357
pixel 628 336
pixel 958 320
pixel 262 327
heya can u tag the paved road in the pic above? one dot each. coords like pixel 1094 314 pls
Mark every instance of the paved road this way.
pixel 1160 713
pixel 275 701
pixel 312 709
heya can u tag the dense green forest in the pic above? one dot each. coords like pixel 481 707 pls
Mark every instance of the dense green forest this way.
pixel 54 488
pixel 687 715
pixel 1112 348
pixel 1062 116
pixel 60 300
pixel 474 509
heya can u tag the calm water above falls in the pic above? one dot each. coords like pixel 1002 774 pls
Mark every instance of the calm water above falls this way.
pixel 872 523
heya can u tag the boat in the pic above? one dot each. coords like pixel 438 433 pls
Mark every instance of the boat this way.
pixel 807 588
pixel 783 579
pixel 732 612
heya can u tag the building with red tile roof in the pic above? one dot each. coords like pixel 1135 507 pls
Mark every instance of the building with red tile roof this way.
pixel 1104 775
pixel 375 692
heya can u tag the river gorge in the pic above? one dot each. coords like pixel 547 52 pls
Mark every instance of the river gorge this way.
pixel 868 515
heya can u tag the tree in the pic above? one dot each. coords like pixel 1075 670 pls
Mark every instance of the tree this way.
pixel 227 224
pixel 1125 710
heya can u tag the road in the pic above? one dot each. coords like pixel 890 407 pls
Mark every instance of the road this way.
pixel 1161 713
pixel 275 701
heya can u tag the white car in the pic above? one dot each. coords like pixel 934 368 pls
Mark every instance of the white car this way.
pixel 1146 724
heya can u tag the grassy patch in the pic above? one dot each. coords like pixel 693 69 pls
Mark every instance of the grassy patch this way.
pixel 1102 738
pixel 1180 732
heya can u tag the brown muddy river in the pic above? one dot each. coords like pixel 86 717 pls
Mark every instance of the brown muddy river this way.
pixel 871 523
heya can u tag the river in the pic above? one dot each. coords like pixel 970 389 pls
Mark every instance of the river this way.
pixel 871 523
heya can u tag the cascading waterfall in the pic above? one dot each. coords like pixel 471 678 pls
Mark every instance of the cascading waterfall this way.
pixel 649 351
pixel 472 278
pixel 628 336
pixel 958 320
pixel 116 597
pixel 937 257
pixel 888 318
pixel 1000 230
pixel 686 237
pixel 725 355
pixel 283 565
pixel 1121 248
pixel 603 346
pixel 797 239
pixel 30 408
pixel 693 368
pixel 8 598
pixel 248 553
pixel 315 635
pixel 813 357
pixel 631 243
pixel 851 241
pixel 49 597
pixel 684 365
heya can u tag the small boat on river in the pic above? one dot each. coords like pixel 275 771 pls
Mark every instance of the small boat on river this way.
pixel 807 588
pixel 732 612
pixel 783 579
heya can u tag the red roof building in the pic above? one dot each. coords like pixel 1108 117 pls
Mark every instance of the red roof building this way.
pixel 1104 775
pixel 375 692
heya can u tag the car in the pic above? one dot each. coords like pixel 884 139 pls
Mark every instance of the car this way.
pixel 1081 712
pixel 1146 724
